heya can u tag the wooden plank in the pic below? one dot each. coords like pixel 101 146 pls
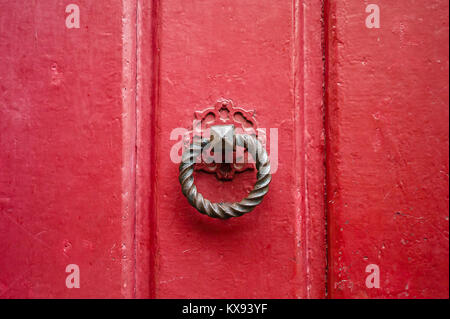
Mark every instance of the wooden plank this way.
pixel 67 135
pixel 267 56
pixel 388 149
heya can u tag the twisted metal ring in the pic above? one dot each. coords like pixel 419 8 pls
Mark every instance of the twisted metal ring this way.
pixel 226 210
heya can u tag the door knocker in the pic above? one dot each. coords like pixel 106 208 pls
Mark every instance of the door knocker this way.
pixel 218 154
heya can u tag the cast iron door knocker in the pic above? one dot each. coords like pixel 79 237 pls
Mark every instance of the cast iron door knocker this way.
pixel 224 141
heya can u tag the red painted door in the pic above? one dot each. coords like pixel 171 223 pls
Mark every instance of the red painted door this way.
pixel 387 129
pixel 356 126
pixel 66 143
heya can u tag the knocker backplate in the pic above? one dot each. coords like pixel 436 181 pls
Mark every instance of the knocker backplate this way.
pixel 225 113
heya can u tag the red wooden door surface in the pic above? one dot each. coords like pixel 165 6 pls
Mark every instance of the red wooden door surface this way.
pixel 357 118
pixel 260 66
pixel 66 170
pixel 387 129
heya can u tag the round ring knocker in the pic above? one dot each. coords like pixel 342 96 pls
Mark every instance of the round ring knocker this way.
pixel 226 210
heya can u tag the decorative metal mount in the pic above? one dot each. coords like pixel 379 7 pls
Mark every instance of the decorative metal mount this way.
pixel 225 113
pixel 224 139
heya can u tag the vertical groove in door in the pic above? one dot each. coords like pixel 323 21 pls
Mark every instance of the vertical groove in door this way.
pixel 128 88
pixel 147 78
pixel 325 130
pixel 310 142
pixel 297 75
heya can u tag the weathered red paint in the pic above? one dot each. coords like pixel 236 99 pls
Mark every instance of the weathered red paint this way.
pixel 253 53
pixel 66 149
pixel 86 177
pixel 388 149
